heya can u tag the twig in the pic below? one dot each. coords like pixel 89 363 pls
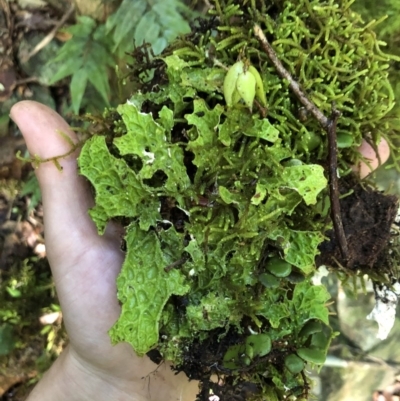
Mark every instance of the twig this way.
pixel 293 85
pixel 306 385
pixel 334 183
pixel 262 110
pixel 328 124
pixel 27 81
pixel 179 262
pixel 9 22
pixel 218 63
pixel 50 36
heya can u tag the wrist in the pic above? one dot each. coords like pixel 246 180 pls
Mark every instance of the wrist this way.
pixel 52 385
pixel 69 379
pixel 72 379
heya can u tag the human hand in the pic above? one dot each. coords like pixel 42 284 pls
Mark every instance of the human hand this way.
pixel 363 169
pixel 85 266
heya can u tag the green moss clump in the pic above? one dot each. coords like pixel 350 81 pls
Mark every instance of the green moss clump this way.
pixel 211 194
pixel 387 13
pixel 26 292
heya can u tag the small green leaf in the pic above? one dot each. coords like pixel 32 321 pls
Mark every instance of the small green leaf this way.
pixel 259 195
pixel 175 66
pixel 308 180
pixel 312 355
pixel 299 247
pixel 309 302
pixel 260 343
pixel 14 292
pixel 198 259
pixel 83 28
pixel 77 87
pixel 344 140
pixel 294 363
pixel 311 327
pixel 147 30
pixel 228 197
pixel 68 67
pixel 99 79
pixel 263 129
pixel 268 280
pixel 308 142
pixel 279 267
pixel 320 341
pixel 232 356
pixel 125 19
pixel 166 119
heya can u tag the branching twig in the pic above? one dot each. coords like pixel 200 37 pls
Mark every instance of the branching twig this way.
pixel 37 160
pixel 50 36
pixel 328 124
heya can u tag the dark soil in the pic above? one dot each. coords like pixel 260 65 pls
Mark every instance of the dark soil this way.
pixel 203 359
pixel 368 216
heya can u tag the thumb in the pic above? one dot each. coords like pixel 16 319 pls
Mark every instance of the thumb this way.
pixel 371 155
pixel 66 196
pixel 84 265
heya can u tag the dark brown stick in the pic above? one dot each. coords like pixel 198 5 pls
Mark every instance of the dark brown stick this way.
pixel 328 124
pixel 334 183
pixel 178 263
pixel 50 36
pixel 293 85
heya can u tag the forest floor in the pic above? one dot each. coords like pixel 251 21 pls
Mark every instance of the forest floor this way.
pixel 30 320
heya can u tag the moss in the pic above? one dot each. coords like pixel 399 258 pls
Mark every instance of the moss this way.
pixel 210 194
pixel 26 292
pixel 386 12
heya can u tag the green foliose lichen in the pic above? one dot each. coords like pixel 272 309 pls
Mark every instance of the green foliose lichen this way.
pixel 210 194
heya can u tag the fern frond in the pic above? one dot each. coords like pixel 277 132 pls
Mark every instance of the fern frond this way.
pixel 86 57
pixel 137 21
pixel 94 48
